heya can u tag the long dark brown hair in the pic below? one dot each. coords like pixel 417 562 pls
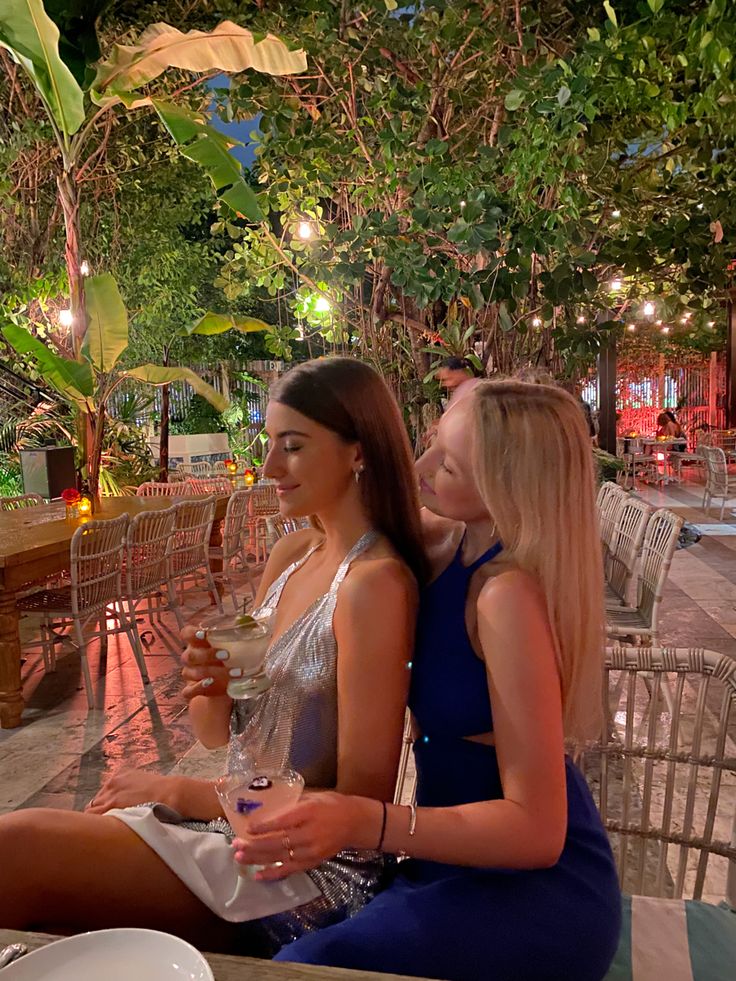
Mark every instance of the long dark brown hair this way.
pixel 349 398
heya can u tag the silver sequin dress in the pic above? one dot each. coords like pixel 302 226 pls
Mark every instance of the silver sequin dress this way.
pixel 294 722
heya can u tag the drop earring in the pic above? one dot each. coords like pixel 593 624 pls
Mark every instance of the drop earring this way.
pixel 357 474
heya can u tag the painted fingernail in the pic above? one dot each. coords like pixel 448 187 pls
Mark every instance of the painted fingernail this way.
pixel 236 672
pixel 206 682
pixel 222 655
pixel 201 634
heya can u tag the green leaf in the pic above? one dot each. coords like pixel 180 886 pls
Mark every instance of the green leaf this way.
pixel 154 374
pixel 72 379
pixel 563 95
pixel 514 99
pixel 229 48
pixel 594 34
pixel 33 39
pixel 507 324
pixel 610 12
pixel 218 323
pixel 107 322
pixel 655 5
pixel 210 149
pixel 391 4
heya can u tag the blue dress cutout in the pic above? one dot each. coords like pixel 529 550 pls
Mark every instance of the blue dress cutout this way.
pixel 463 924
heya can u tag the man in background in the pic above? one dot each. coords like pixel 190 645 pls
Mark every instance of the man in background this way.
pixel 456 376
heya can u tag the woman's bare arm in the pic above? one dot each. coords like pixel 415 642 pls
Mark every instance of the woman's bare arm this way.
pixel 374 628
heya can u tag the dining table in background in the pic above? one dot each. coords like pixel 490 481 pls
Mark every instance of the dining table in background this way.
pixel 35 543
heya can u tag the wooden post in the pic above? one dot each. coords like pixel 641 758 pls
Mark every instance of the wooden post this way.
pixel 607 390
pixel 713 390
pixel 731 360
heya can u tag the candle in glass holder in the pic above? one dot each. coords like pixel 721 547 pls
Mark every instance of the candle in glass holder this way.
pixel 231 466
pixel 85 507
pixel 249 478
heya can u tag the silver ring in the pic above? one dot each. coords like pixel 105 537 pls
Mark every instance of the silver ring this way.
pixel 287 846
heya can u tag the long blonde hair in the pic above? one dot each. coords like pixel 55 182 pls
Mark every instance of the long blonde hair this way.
pixel 533 467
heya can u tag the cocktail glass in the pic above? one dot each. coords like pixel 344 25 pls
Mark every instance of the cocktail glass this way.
pixel 246 639
pixel 249 795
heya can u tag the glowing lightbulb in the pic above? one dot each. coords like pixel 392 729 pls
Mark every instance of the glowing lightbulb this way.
pixel 711 323
pixel 462 204
pixel 615 285
pixel 65 318
pixel 84 268
pixel 322 304
pixel 631 326
pixel 649 309
pixel 536 322
pixel 304 231
pixel 616 214
pixel 665 330
pixel 701 206
pixel 658 322
pixel 581 319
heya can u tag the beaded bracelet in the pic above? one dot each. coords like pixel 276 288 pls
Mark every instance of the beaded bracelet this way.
pixel 379 846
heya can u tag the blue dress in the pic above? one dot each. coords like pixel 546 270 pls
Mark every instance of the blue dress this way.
pixel 464 924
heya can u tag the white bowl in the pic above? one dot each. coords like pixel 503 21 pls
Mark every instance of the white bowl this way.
pixel 112 955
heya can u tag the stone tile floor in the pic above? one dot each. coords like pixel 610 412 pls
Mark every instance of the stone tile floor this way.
pixel 62 751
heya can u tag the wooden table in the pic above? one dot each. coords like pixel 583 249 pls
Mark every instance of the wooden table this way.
pixel 227 968
pixel 35 543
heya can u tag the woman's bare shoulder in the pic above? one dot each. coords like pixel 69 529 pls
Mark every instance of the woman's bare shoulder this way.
pixel 289 549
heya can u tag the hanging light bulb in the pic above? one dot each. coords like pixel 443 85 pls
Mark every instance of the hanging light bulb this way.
pixel 649 309
pixel 462 204
pixel 616 214
pixel 581 319
pixel 615 285
pixel 665 330
pixel 65 318
pixel 84 268
pixel 536 322
pixel 322 304
pixel 631 326
pixel 711 323
pixel 304 230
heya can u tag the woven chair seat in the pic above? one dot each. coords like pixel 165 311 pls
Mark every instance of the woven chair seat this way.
pixel 613 600
pixel 624 619
pixel 52 601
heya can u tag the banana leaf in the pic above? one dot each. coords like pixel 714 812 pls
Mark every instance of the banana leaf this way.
pixel 32 38
pixel 228 48
pixel 72 379
pixel 107 322
pixel 155 374
pixel 218 323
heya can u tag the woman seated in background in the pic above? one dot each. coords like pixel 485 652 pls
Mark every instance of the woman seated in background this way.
pixel 344 604
pixel 510 875
pixel 668 426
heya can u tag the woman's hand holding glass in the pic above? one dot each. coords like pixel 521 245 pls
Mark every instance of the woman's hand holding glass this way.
pixel 316 828
pixel 205 670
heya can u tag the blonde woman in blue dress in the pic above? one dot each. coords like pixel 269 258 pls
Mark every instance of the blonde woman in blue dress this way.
pixel 510 876
pixel 343 597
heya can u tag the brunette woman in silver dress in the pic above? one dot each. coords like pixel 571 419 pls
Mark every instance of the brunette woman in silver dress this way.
pixel 343 596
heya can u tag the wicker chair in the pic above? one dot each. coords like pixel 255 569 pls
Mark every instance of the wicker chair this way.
pixel 94 595
pixel 623 555
pixel 277 527
pixel 152 488
pixel 189 555
pixel 611 500
pixel 219 486
pixel 200 469
pixel 660 541
pixel 637 463
pixel 233 545
pixel 21 501
pixel 718 483
pixel 264 504
pixel 148 546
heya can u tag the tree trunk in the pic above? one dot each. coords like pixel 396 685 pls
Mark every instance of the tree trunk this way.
pixel 96 430
pixel 163 451
pixel 69 199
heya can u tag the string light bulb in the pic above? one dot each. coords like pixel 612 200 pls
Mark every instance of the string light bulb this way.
pixel 649 309
pixel 536 322
pixel 615 285
pixel 711 323
pixel 631 326
pixel 616 214
pixel 581 319
pixel 665 330
pixel 66 319
pixel 322 304
pixel 84 268
pixel 304 230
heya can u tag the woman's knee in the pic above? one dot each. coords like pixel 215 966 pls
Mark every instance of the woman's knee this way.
pixel 22 835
